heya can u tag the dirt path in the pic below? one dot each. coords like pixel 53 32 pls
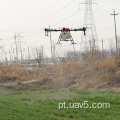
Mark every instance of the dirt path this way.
pixel 29 82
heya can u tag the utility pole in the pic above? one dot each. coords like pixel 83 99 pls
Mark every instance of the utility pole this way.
pixel 28 52
pixel 37 52
pixel 21 56
pixel 51 46
pixel 115 31
pixel 16 46
pixel 6 57
pixel 74 51
pixel 54 52
pixel 102 47
pixel 42 54
pixel 102 44
pixel 10 54
pixel 13 55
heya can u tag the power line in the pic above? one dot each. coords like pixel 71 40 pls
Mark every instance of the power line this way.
pixel 66 18
pixel 49 17
pixel 39 14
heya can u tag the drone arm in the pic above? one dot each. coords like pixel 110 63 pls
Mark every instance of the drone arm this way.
pixel 82 29
pixel 50 30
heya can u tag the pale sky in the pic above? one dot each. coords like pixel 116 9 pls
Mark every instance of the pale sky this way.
pixel 29 18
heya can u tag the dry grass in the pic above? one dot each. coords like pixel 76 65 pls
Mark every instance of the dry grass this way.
pixel 97 74
pixel 107 64
pixel 19 71
pixel 86 75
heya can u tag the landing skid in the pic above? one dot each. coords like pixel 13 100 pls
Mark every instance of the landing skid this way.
pixel 60 39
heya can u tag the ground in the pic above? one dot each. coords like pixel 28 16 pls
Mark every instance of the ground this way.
pixel 45 94
pixel 32 102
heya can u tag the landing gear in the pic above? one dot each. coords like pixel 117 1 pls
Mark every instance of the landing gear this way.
pixel 70 39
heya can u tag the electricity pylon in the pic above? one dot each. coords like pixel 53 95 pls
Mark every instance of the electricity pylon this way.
pixel 90 41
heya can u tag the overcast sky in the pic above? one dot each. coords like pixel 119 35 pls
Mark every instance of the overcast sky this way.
pixel 29 18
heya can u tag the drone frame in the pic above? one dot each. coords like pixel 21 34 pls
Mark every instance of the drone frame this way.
pixel 60 37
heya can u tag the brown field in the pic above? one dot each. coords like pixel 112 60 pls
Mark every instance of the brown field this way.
pixel 97 73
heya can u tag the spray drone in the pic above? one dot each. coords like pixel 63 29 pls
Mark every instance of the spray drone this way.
pixel 65 34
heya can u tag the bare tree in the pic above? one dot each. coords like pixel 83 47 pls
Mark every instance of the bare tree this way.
pixel 38 56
